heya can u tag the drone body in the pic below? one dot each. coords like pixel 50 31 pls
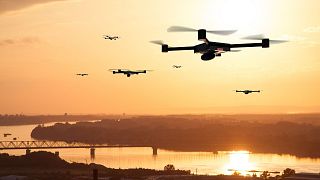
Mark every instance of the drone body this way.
pixel 248 91
pixel 110 37
pixel 127 72
pixel 82 74
pixel 177 66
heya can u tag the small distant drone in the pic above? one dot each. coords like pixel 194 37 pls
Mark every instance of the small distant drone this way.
pixel 110 37
pixel 127 71
pixel 82 74
pixel 247 91
pixel 177 66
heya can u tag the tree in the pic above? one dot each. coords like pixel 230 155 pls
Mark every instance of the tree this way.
pixel 288 172
pixel 236 173
pixel 169 167
pixel 265 175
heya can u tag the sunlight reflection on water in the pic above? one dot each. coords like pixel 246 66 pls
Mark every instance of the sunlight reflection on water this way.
pixel 201 162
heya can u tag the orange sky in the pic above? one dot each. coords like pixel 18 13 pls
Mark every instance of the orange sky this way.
pixel 43 44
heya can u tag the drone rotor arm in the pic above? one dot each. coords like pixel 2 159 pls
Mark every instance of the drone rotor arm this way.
pixel 185 48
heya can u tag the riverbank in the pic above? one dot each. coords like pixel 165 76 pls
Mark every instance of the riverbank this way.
pixel 45 165
pixel 185 134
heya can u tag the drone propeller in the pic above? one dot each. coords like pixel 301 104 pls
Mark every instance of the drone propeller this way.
pixel 262 36
pixel 235 50
pixel 158 42
pixel 187 29
pixel 117 69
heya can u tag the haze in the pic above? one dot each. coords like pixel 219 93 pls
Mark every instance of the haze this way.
pixel 43 44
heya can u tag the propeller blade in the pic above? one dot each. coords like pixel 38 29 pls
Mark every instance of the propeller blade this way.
pixel 187 29
pixel 255 37
pixel 223 32
pixel 117 69
pixel 181 29
pixel 145 70
pixel 235 50
pixel 158 42
pixel 277 41
pixel 262 36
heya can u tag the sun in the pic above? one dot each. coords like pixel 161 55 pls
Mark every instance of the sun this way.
pixel 238 161
pixel 247 16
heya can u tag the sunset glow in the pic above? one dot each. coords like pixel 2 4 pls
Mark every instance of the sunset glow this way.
pixel 43 46
pixel 239 161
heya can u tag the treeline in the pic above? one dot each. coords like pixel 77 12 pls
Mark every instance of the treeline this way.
pixel 20 119
pixel 184 134
pixel 10 120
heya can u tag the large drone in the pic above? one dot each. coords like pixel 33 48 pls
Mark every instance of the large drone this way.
pixel 209 49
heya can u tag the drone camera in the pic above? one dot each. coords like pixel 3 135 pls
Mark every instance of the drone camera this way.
pixel 265 43
pixel 202 34
pixel 164 48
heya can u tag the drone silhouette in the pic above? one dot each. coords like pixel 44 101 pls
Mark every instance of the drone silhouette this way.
pixel 110 37
pixel 82 74
pixel 177 66
pixel 127 71
pixel 248 91
pixel 210 49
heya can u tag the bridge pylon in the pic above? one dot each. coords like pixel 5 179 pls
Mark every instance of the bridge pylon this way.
pixel 28 151
pixel 92 152
pixel 154 151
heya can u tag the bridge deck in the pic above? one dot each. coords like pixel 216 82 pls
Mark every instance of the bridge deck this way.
pixel 6 145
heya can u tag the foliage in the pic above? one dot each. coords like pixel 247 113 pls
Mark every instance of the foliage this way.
pixel 169 167
pixel 288 172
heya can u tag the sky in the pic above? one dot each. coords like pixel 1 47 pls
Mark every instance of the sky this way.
pixel 44 43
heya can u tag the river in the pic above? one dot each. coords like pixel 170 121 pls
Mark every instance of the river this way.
pixel 198 162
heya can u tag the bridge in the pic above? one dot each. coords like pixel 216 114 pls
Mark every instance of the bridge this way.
pixel 28 145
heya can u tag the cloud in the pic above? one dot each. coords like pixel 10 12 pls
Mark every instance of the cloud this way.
pixel 312 29
pixel 25 40
pixel 13 5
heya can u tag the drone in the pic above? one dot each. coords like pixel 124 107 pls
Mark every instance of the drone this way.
pixel 177 66
pixel 82 74
pixel 127 71
pixel 248 91
pixel 110 37
pixel 210 49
